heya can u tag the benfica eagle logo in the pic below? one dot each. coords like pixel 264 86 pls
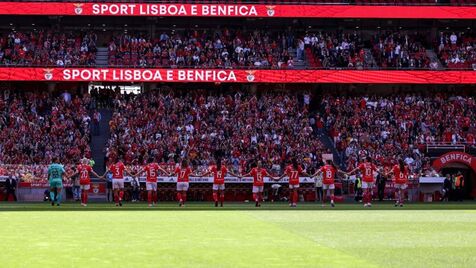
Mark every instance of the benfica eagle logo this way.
pixel 270 10
pixel 78 9
pixel 251 76
pixel 48 74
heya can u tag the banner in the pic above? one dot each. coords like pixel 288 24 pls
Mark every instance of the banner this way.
pixel 237 76
pixel 247 180
pixel 237 10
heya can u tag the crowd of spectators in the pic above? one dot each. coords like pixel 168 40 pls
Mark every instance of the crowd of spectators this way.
pixel 36 126
pixel 239 127
pixel 401 51
pixel 48 48
pixel 227 48
pixel 219 48
pixel 457 50
pixel 398 126
pixel 337 50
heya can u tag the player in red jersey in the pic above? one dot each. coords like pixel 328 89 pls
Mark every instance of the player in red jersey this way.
pixel 293 172
pixel 367 169
pixel 258 173
pixel 183 173
pixel 151 170
pixel 219 172
pixel 400 179
pixel 328 171
pixel 117 169
pixel 84 169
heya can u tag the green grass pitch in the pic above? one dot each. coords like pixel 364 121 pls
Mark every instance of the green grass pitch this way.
pixel 238 235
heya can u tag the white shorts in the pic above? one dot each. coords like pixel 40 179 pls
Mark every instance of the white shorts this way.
pixel 217 187
pixel 117 184
pixel 366 185
pixel 258 189
pixel 182 186
pixel 293 186
pixel 151 186
pixel 401 186
pixel 328 186
pixel 85 187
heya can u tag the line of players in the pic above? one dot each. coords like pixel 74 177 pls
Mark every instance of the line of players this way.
pixel 183 172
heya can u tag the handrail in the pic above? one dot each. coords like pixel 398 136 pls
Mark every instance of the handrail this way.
pixel 234 68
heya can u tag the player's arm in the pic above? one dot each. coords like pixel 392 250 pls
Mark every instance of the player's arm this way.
pixel 304 172
pixel 207 173
pixel 352 171
pixel 128 171
pixel 95 174
pixel 165 171
pixel 105 172
pixel 233 174
pixel 280 177
pixel 141 170
pixel 319 171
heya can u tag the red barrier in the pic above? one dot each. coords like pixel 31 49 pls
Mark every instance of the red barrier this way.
pixel 237 10
pixel 236 76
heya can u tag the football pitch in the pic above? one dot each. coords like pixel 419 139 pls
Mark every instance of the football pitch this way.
pixel 238 235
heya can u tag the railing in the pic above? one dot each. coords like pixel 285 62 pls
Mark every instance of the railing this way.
pixel 236 68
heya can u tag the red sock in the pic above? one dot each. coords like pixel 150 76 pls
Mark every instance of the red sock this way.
pixel 255 197
pixel 85 201
pixel 82 197
pixel 295 197
pixel 149 197
pixel 121 195
pixel 215 197
pixel 184 197
pixel 116 198
pixel 155 197
pixel 222 198
pixel 291 197
pixel 332 198
pixel 260 197
pixel 179 197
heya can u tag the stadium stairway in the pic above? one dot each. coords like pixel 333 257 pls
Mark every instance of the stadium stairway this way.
pixel 297 64
pixel 329 143
pixel 369 59
pixel 98 142
pixel 102 57
pixel 431 54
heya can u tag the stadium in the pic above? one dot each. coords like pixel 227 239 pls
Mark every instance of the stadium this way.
pixel 329 133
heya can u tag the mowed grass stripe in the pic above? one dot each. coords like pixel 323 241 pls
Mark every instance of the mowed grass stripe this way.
pixel 389 238
pixel 167 239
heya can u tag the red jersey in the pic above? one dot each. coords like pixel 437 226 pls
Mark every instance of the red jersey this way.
pixel 367 169
pixel 328 174
pixel 258 176
pixel 84 171
pixel 401 177
pixel 219 175
pixel 293 174
pixel 152 171
pixel 117 170
pixel 183 174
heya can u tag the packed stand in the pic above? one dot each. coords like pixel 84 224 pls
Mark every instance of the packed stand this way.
pixel 36 126
pixel 202 125
pixel 401 51
pixel 337 50
pixel 223 48
pixel 48 48
pixel 398 126
pixel 457 50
